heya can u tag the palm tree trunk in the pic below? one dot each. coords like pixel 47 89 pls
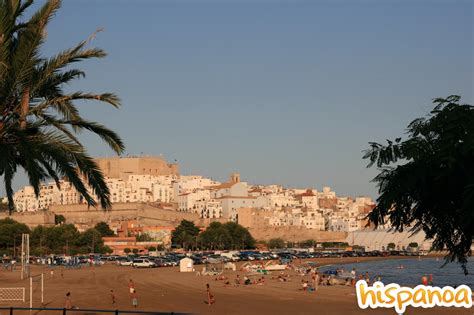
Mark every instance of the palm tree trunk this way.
pixel 24 107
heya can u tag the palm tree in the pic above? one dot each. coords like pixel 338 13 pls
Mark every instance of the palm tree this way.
pixel 39 122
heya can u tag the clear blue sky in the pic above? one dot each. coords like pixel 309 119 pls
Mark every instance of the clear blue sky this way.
pixel 285 92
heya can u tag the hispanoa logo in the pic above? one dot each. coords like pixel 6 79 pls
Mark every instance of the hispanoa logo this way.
pixel 394 296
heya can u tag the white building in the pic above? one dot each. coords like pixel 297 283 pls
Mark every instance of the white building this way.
pixel 308 199
pixel 186 184
pixel 344 224
pixel 313 220
pixel 187 201
pixel 209 209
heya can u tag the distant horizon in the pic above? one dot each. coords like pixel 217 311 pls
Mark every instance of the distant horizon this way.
pixel 286 92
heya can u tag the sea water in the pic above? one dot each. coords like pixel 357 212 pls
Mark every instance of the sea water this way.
pixel 413 269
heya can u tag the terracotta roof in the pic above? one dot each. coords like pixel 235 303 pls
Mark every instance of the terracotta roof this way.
pixel 222 186
pixel 308 193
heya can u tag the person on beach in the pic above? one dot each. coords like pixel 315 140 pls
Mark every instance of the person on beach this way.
pixel 304 285
pixel 68 304
pixel 246 280
pixel 112 296
pixel 134 299
pixel 210 297
pixel 237 281
pixel 353 272
pixel 316 281
pixel 131 287
pixel 424 280
pixel 353 282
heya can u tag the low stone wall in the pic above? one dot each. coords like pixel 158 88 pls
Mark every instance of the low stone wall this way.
pixel 297 234
pixel 31 219
pixel 145 214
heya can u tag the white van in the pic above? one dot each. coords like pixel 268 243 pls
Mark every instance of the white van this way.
pixel 143 263
pixel 232 255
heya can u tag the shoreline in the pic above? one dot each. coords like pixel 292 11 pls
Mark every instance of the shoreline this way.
pixel 356 260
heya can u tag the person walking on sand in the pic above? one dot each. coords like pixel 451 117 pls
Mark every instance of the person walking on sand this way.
pixel 210 297
pixel 134 299
pixel 68 304
pixel 131 287
pixel 112 296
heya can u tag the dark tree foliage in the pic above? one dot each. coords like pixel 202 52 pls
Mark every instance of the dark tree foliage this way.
pixel 104 229
pixel 10 235
pixel 3 207
pixel 426 182
pixel 185 234
pixel 59 219
pixel 391 246
pixel 307 244
pixel 145 237
pixel 229 235
pixel 276 243
pixel 65 239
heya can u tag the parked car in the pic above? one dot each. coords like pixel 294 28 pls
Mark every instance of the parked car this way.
pixel 143 263
pixel 124 261
pixel 197 260
pixel 159 262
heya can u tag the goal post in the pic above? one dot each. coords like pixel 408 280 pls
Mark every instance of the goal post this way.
pixel 37 278
pixel 12 294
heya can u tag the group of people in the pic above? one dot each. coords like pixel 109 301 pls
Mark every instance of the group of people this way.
pixel 131 289
pixel 238 280
pixel 367 279
pixel 282 277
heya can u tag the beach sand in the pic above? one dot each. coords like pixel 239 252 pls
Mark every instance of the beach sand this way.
pixel 168 290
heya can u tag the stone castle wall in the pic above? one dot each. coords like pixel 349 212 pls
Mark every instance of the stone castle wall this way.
pixel 257 223
pixel 295 233
pixel 143 213
pixel 118 166
pixel 31 219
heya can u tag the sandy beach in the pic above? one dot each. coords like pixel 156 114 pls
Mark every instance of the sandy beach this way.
pixel 168 290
